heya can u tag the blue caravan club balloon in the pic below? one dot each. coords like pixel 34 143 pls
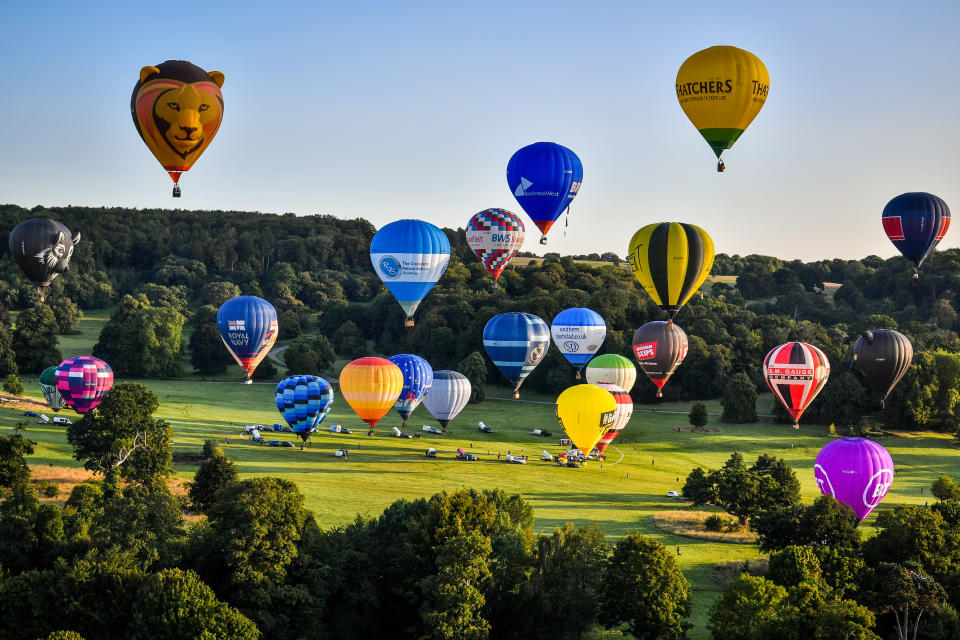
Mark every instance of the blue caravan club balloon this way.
pixel 516 343
pixel 915 224
pixel 417 380
pixel 304 402
pixel 578 333
pixel 410 256
pixel 544 178
pixel 248 326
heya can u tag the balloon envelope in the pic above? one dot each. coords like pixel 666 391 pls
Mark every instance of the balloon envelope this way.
pixel 796 372
pixel 83 382
pixel 371 386
pixel 48 387
pixel 612 368
pixel 544 178
pixel 578 333
pixel 881 357
pixel 671 260
pixel 915 223
pixel 855 471
pixel 42 248
pixel 659 348
pixel 417 378
pixel 410 256
pixel 516 343
pixel 495 236
pixel 586 412
pixel 304 402
pixel 248 328
pixel 448 395
pixel 620 417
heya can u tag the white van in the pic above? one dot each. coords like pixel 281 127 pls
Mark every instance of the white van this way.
pixel 62 420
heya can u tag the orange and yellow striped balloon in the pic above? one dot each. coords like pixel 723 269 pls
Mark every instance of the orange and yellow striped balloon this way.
pixel 371 386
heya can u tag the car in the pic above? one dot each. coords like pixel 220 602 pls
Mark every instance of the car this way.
pixel 43 419
pixel 341 453
pixel 258 439
pixel 428 429
pixel 466 456
pixel 572 464
pixel 31 414
pixel 62 420
pixel 484 428
pixel 431 453
pixel 287 443
pixel 673 494
pixel 345 430
pixel 515 460
pixel 274 443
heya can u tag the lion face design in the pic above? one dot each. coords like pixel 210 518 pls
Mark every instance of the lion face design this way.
pixel 181 113
pixel 57 257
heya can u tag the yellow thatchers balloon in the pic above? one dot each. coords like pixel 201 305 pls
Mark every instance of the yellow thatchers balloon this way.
pixel 586 413
pixel 671 260
pixel 371 386
pixel 722 89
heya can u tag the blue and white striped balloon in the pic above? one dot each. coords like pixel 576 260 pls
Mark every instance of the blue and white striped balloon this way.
pixel 448 396
pixel 417 379
pixel 410 256
pixel 304 402
pixel 516 343
pixel 578 333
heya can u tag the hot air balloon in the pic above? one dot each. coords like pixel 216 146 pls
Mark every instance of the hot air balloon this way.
pixel 620 417
pixel 915 224
pixel 722 89
pixel 856 471
pixel 448 396
pixel 248 326
pixel 586 412
pixel 516 343
pixel 578 333
pixel 410 256
pixel 495 235
pixel 614 369
pixel 544 177
pixel 304 402
pixel 659 347
pixel 84 382
pixel 42 248
pixel 48 386
pixel 796 372
pixel 371 386
pixel 671 260
pixel 177 108
pixel 880 358
pixel 417 378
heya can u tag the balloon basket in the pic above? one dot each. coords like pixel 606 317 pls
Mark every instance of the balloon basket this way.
pixel 796 426
pixel 659 394
pixel 721 167
pixel 543 239
pixel 248 381
pixel 578 375
pixel 496 285
pixel 408 322
pixel 176 191
pixel 516 395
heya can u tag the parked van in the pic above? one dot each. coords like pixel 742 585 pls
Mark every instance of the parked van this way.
pixel 62 420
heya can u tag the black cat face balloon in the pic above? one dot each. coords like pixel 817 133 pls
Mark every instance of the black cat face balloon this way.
pixel 42 248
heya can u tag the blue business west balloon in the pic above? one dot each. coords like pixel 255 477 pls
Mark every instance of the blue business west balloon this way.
pixel 248 326
pixel 304 402
pixel 417 380
pixel 410 256
pixel 544 178
pixel 916 223
pixel 578 333
pixel 516 343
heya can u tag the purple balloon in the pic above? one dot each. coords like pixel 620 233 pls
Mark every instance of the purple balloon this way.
pixel 855 471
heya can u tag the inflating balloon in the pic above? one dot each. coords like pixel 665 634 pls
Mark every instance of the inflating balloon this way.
pixel 671 260
pixel 42 248
pixel 620 417
pixel 915 223
pixel 722 89
pixel 84 382
pixel 371 386
pixel 448 396
pixel 796 372
pixel 578 333
pixel 880 359
pixel 586 412
pixel 614 369
pixel 659 348
pixel 48 387
pixel 516 343
pixel 410 256
pixel 417 378
pixel 495 236
pixel 855 471
pixel 304 402
pixel 544 178
pixel 248 327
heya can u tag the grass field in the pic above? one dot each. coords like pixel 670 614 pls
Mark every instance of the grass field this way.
pixel 624 494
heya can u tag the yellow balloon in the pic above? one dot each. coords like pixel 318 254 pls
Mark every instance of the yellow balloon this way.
pixel 371 386
pixel 722 89
pixel 671 260
pixel 586 413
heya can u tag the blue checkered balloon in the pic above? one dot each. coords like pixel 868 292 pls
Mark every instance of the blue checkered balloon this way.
pixel 304 402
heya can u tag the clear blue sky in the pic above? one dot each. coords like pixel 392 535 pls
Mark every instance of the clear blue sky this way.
pixel 412 109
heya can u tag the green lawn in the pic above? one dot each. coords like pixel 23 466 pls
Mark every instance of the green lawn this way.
pixel 383 469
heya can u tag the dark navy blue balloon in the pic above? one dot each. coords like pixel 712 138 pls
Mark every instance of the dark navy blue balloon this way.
pixel 417 380
pixel 248 326
pixel 304 402
pixel 916 223
pixel 516 343
pixel 544 178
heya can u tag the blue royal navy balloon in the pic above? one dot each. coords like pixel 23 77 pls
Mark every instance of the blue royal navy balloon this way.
pixel 516 343
pixel 304 402
pixel 544 178
pixel 915 223
pixel 417 379
pixel 248 326
pixel 578 333
pixel 410 256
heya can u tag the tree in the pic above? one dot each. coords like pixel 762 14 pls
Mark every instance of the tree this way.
pixel 121 438
pixel 141 340
pixel 309 355
pixel 13 464
pixel 698 416
pixel 35 340
pixel 945 488
pixel 208 354
pixel 31 534
pixel 67 313
pixel 217 292
pixel 653 596
pixel 452 608
pixel 475 369
pixel 793 565
pixel 215 472
pixel 8 359
pixel 739 400
pixel 825 523
pixel 289 323
pixel 12 385
pixel 348 341
pixel 749 602
pixel 908 592
pixel 64 635
pixel 173 297
pixel 699 488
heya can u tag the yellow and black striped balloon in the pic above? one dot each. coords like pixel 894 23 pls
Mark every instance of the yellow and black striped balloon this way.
pixel 671 260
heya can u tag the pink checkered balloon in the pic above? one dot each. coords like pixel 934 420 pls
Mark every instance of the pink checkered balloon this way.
pixel 84 382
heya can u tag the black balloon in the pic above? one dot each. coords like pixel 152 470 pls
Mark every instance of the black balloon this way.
pixel 659 348
pixel 880 358
pixel 42 248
